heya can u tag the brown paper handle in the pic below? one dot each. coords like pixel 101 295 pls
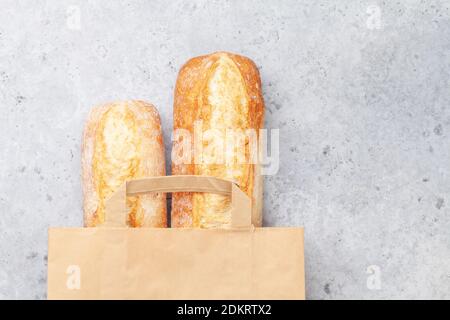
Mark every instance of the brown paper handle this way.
pixel 240 202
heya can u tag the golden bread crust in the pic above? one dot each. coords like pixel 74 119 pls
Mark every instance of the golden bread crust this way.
pixel 223 90
pixel 122 141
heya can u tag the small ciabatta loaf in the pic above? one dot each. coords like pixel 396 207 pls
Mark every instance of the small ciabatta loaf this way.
pixel 223 92
pixel 123 141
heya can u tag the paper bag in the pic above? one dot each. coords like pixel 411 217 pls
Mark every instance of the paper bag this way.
pixel 116 262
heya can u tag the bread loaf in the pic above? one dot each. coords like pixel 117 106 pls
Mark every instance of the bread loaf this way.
pixel 122 141
pixel 223 91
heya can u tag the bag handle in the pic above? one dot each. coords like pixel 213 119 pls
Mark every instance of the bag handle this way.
pixel 240 203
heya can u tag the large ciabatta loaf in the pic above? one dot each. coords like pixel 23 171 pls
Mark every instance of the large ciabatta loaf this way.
pixel 122 141
pixel 223 90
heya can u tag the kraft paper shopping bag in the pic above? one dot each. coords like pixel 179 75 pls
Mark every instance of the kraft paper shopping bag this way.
pixel 116 262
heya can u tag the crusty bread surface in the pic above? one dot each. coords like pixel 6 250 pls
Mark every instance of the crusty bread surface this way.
pixel 122 141
pixel 223 91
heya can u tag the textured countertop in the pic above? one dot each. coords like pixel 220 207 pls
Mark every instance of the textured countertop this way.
pixel 360 91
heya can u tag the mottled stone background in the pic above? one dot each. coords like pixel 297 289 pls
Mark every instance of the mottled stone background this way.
pixel 359 89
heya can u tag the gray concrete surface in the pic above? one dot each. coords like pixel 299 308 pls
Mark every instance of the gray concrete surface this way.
pixel 359 89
